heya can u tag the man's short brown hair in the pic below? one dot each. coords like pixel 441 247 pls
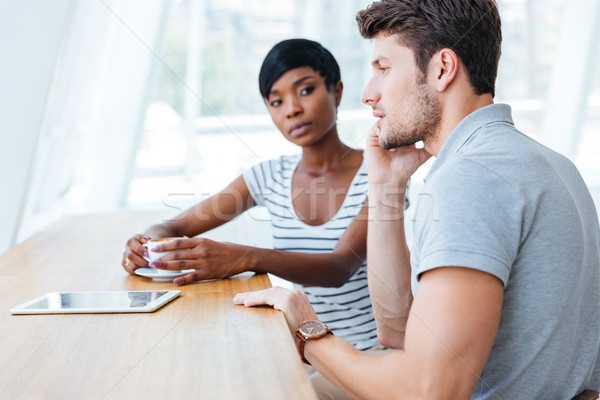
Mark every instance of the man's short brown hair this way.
pixel 471 28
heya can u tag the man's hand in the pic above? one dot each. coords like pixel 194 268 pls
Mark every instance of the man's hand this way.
pixel 210 259
pixel 391 166
pixel 292 302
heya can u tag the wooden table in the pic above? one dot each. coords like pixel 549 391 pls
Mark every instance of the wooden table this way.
pixel 199 346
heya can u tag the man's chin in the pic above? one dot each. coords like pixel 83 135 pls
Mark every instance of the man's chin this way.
pixel 393 141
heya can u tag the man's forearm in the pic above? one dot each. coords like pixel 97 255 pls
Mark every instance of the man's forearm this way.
pixel 362 375
pixel 388 261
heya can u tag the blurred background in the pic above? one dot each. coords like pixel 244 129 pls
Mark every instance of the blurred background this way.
pixel 109 105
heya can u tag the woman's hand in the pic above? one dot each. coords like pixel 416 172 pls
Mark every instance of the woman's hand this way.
pixel 293 302
pixel 210 259
pixel 133 256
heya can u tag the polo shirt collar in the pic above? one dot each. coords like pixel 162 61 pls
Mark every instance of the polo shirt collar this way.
pixel 466 128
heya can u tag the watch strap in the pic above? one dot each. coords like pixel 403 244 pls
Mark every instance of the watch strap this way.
pixel 301 341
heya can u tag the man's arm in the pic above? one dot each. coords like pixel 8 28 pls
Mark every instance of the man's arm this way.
pixel 389 264
pixel 450 332
pixel 388 255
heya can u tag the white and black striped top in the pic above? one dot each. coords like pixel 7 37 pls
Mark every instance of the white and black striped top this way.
pixel 346 310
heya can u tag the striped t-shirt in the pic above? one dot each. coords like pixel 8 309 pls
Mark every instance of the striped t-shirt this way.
pixel 346 310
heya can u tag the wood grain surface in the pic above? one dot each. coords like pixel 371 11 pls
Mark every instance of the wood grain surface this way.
pixel 199 346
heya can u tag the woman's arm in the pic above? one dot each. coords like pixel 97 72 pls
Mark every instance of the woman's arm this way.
pixel 209 214
pixel 325 269
pixel 218 260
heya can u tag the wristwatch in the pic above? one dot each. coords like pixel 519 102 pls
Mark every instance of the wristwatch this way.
pixel 310 330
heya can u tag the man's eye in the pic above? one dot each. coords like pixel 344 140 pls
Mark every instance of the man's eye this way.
pixel 275 103
pixel 307 90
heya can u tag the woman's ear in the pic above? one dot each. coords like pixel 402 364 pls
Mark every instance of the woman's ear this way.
pixel 445 68
pixel 339 88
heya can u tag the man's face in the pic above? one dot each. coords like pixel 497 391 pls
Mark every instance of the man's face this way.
pixel 408 109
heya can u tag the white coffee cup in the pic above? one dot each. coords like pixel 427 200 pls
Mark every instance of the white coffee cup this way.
pixel 154 255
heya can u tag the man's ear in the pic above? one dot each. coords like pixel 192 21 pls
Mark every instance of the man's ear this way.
pixel 445 68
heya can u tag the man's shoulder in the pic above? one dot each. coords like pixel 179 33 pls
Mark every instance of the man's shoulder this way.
pixel 502 153
pixel 469 173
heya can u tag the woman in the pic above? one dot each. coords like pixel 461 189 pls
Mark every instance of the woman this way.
pixel 317 202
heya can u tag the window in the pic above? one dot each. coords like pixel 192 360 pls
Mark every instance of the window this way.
pixel 157 102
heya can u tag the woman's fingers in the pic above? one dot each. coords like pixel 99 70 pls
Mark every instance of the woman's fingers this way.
pixel 174 265
pixel 186 254
pixel 177 244
pixel 132 261
pixel 184 280
pixel 133 254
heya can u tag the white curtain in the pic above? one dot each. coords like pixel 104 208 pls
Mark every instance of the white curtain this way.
pixel 95 108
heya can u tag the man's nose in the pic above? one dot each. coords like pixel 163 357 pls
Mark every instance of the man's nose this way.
pixel 370 95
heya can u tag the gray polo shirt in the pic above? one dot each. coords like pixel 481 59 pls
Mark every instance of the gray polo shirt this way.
pixel 497 201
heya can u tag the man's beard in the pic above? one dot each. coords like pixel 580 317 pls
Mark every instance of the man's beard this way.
pixel 422 117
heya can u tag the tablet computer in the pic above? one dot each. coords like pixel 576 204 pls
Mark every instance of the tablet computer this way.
pixel 97 302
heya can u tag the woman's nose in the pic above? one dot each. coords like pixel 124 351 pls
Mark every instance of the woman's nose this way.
pixel 294 108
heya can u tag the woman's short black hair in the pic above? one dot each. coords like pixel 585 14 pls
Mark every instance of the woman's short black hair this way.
pixel 296 53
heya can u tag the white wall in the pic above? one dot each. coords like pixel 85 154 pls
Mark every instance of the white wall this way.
pixel 30 36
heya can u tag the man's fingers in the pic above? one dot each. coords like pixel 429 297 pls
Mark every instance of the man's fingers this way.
pixel 250 299
pixel 424 155
pixel 373 137
pixel 240 298
pixel 277 297
pixel 293 302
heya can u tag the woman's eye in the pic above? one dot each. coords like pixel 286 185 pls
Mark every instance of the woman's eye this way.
pixel 307 90
pixel 275 103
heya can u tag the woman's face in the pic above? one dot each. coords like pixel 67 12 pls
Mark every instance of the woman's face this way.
pixel 301 106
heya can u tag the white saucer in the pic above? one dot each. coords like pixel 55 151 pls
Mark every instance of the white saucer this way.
pixel 162 274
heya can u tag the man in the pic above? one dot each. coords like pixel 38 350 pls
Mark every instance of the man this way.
pixel 506 253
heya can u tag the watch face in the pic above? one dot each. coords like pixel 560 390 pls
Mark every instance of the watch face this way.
pixel 313 329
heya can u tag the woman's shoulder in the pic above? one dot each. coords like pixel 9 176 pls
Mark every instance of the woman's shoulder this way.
pixel 289 159
pixel 276 166
pixel 281 160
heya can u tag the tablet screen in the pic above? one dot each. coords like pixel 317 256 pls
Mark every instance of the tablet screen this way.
pixel 122 301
